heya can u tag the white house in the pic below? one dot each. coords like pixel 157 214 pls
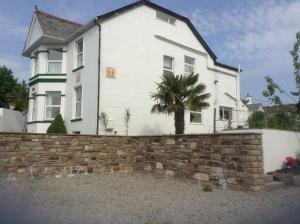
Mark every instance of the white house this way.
pixel 112 63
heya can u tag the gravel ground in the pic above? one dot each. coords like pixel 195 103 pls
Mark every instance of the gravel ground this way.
pixel 139 198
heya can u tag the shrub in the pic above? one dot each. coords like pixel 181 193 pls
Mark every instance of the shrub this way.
pixel 290 162
pixel 57 126
pixel 207 188
pixel 257 120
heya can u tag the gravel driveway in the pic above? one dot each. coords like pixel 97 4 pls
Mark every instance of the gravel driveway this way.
pixel 139 198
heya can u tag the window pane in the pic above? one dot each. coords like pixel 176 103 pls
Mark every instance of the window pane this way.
pixel 168 62
pixel 78 91
pixel 79 60
pixel 78 109
pixel 33 118
pixel 221 114
pixel 53 98
pixel 167 72
pixel 51 112
pixel 188 69
pixel 162 16
pixel 195 117
pixel 55 54
pixel 54 67
pixel 79 46
pixel 189 60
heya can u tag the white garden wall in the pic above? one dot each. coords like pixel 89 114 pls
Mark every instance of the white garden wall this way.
pixel 277 145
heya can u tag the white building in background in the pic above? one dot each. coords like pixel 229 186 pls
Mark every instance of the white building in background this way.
pixel 112 63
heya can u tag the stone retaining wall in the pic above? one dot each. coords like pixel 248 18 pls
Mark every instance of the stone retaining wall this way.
pixel 234 160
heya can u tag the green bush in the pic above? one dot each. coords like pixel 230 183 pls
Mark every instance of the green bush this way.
pixel 57 126
pixel 257 120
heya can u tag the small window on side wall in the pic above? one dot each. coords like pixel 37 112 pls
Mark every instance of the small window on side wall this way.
pixel 195 117
pixel 79 49
pixel 78 101
pixel 225 113
pixel 189 65
pixel 165 17
pixel 168 65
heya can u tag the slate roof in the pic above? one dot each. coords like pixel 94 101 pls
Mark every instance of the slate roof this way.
pixel 254 107
pixel 281 108
pixel 55 26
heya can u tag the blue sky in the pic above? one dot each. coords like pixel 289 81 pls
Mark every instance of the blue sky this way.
pixel 257 34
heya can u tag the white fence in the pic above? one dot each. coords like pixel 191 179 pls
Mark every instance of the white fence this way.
pixel 277 145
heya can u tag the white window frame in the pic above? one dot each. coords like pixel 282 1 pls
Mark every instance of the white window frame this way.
pixel 196 112
pixel 75 102
pixel 54 61
pixel 165 18
pixel 189 65
pixel 80 40
pixel 223 108
pixel 50 105
pixel 34 108
pixel 167 69
pixel 36 65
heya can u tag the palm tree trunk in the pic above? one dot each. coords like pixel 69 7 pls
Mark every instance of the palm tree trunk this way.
pixel 179 122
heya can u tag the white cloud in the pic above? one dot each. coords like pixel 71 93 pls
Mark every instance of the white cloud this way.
pixel 259 37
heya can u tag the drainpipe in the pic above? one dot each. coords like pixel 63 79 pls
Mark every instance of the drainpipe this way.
pixel 98 74
pixel 237 94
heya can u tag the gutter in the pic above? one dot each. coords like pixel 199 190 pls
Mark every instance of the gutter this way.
pixel 98 74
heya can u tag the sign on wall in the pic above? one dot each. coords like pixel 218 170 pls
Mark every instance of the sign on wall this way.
pixel 110 73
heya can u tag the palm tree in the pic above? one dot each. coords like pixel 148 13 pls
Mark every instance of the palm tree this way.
pixel 177 93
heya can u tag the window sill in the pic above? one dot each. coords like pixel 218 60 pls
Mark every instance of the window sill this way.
pixel 36 122
pixel 194 123
pixel 76 119
pixel 76 69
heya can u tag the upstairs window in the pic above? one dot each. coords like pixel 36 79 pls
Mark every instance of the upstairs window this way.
pixel 168 65
pixel 225 113
pixel 195 117
pixel 54 60
pixel 165 17
pixel 53 102
pixel 79 48
pixel 78 101
pixel 189 65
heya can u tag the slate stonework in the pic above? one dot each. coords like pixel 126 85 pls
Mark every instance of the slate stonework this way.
pixel 233 159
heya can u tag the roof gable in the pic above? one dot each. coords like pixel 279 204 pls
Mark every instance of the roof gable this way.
pixel 48 27
pixel 173 14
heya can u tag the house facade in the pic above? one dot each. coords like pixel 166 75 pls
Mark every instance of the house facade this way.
pixel 112 63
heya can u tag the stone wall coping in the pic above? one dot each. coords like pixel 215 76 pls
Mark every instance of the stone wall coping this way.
pixel 131 136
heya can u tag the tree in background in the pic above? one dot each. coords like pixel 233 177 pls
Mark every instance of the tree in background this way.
pixel 177 93
pixel 296 62
pixel 57 126
pixel 257 120
pixel 12 93
pixel 272 89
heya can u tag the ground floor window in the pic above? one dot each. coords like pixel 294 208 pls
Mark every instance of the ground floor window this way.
pixel 195 117
pixel 33 114
pixel 78 101
pixel 53 103
pixel 225 113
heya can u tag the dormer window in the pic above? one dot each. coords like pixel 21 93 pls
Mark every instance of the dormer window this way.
pixel 165 17
pixel 54 61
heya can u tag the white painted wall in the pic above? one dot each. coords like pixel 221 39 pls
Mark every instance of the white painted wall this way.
pixel 277 145
pixel 35 32
pixel 129 44
pixel 11 121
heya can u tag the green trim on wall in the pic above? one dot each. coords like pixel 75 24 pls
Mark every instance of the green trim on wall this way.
pixel 77 119
pixel 46 80
pixel 76 69
pixel 39 122
pixel 48 74
pixel 32 97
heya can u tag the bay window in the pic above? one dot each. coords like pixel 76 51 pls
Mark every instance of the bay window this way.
pixel 53 103
pixel 55 61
